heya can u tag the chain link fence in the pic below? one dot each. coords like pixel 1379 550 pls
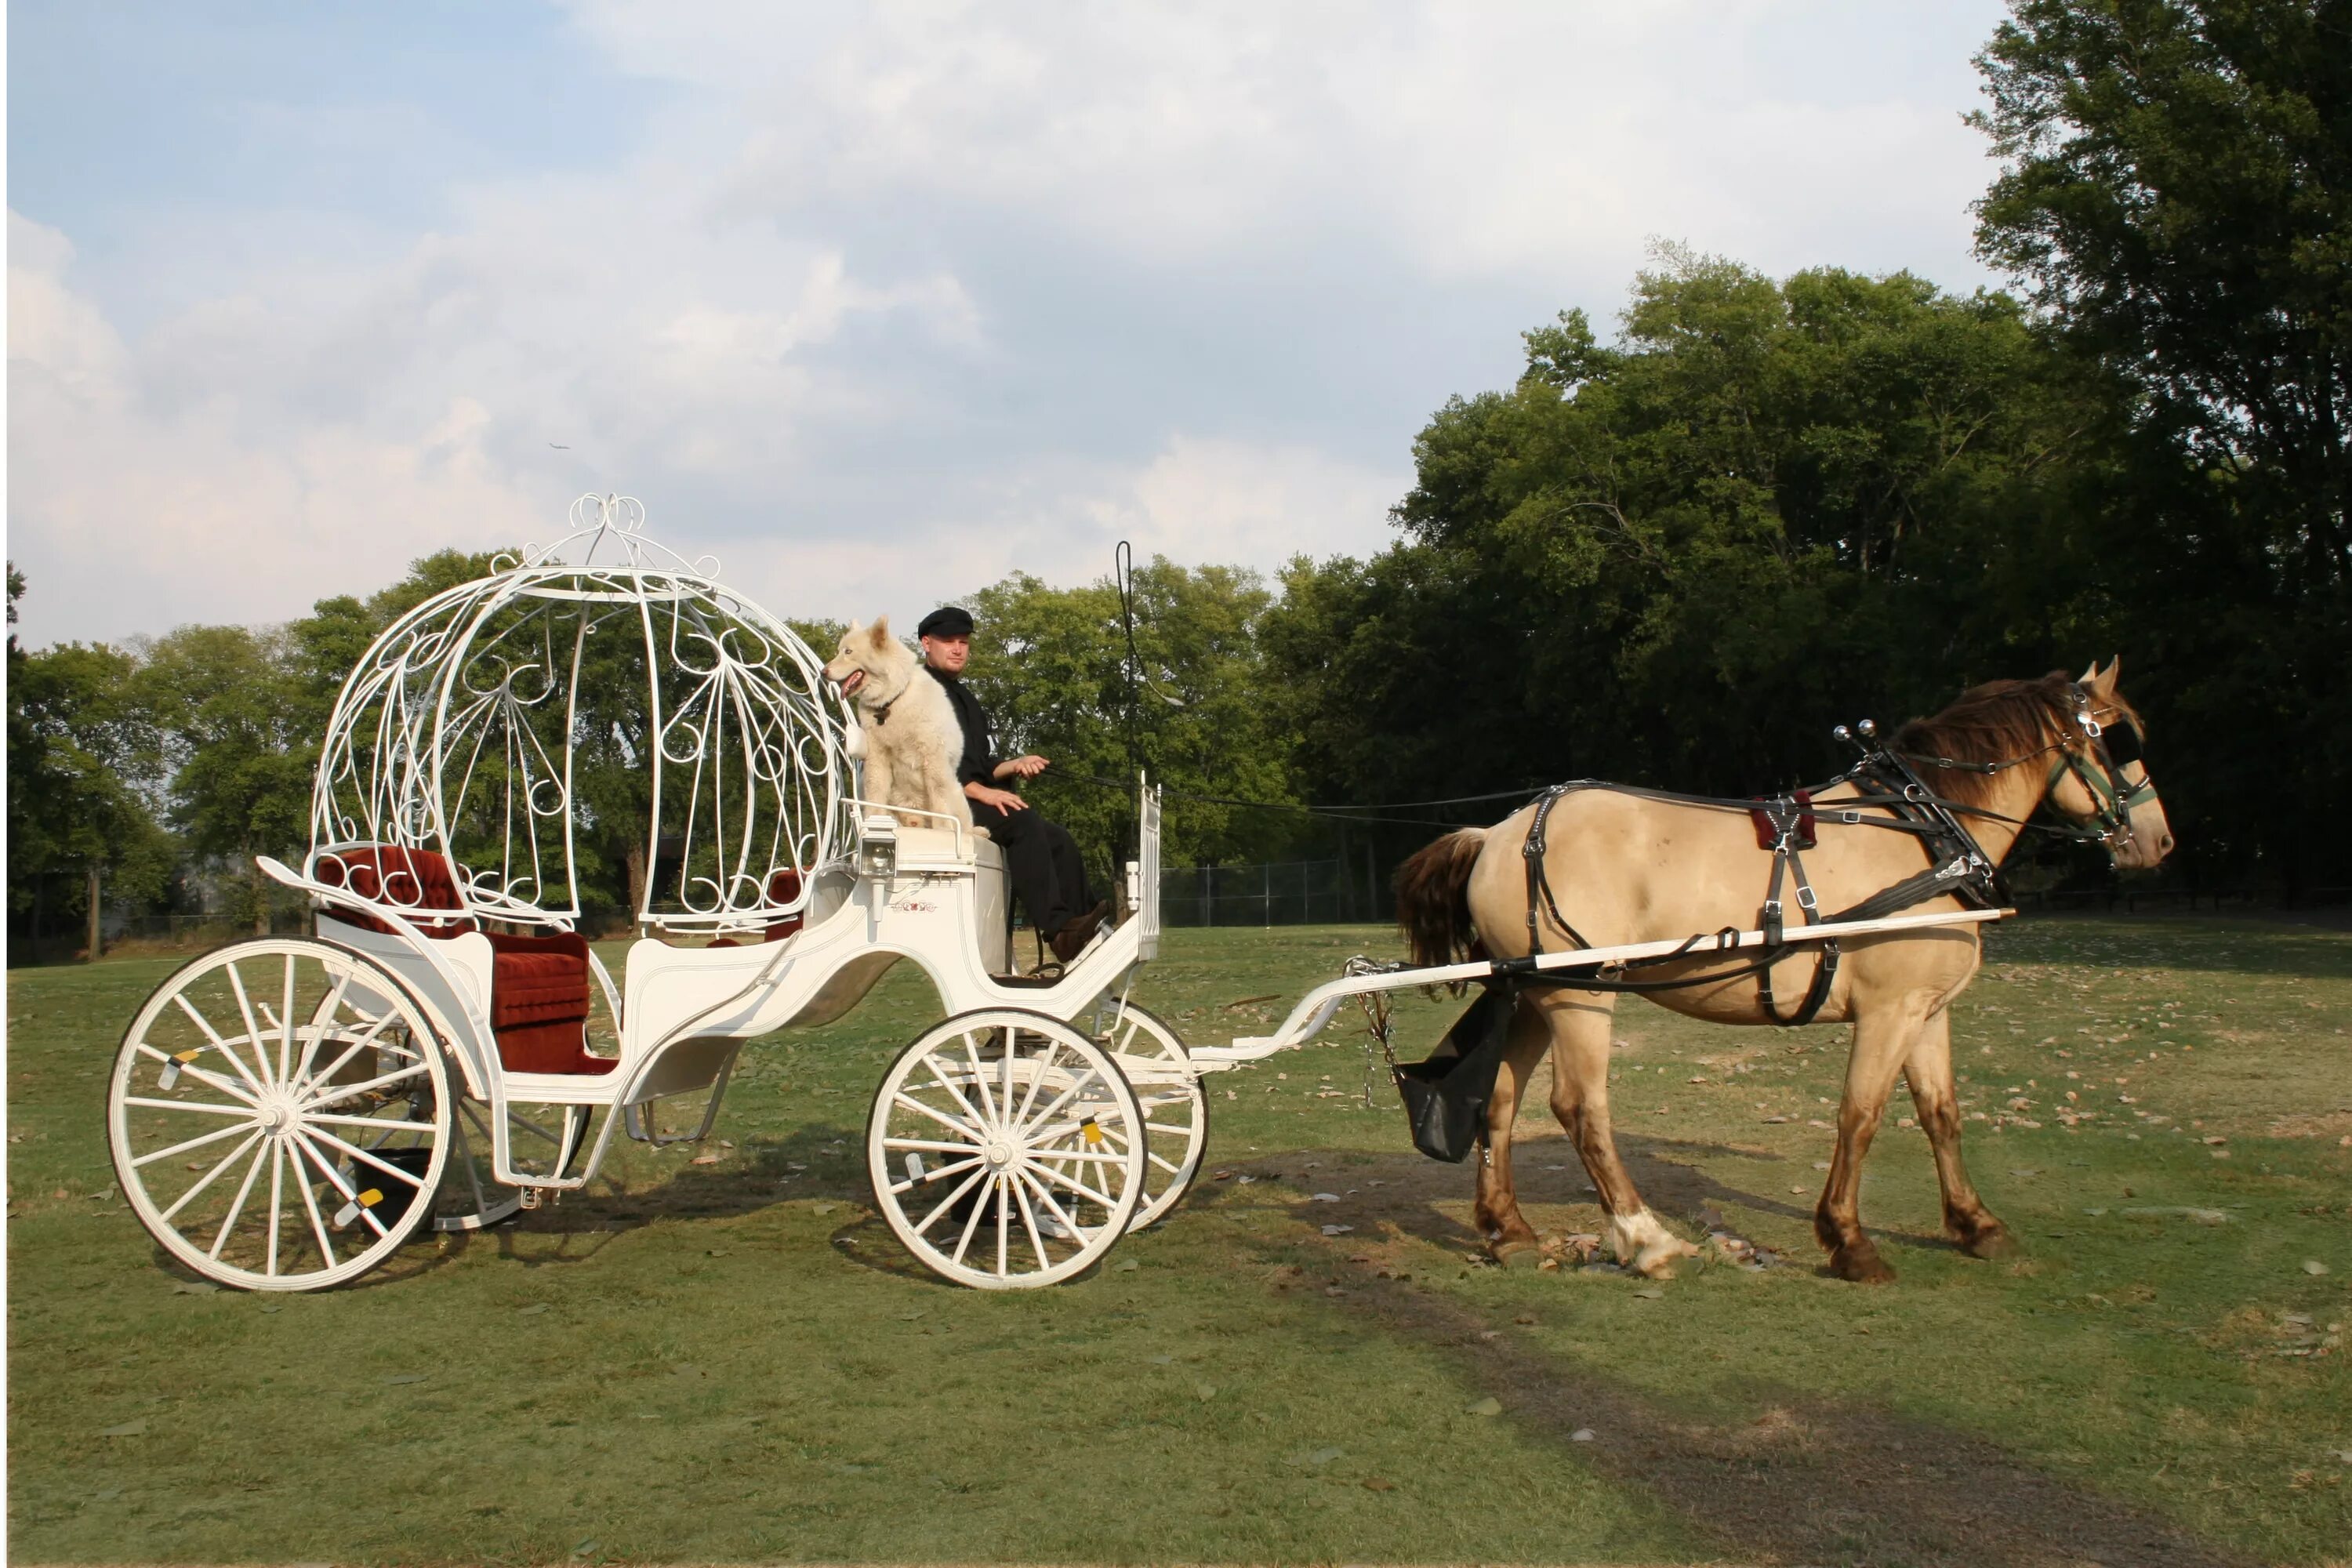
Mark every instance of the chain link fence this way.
pixel 1275 893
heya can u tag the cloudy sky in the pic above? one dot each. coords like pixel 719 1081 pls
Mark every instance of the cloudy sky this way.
pixel 876 302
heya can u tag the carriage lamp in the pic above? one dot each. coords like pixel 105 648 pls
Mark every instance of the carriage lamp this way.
pixel 877 848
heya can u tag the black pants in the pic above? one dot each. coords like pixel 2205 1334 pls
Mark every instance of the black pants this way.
pixel 1043 863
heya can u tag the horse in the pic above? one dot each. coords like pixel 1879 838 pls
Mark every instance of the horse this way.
pixel 1612 865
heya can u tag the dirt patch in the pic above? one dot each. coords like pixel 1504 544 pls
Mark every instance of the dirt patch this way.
pixel 2313 1124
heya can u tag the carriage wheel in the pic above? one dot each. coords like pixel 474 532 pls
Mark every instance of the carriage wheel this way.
pixel 1006 1150
pixel 279 1115
pixel 1175 1109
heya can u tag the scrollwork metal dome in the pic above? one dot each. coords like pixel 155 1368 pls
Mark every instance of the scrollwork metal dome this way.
pixel 599 704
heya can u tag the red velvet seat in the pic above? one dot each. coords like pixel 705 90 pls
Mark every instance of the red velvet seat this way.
pixel 538 984
pixel 416 882
pixel 539 1002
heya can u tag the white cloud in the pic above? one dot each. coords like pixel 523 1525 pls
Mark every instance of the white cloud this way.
pixel 891 299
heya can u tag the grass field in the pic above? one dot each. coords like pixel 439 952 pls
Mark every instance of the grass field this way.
pixel 733 1361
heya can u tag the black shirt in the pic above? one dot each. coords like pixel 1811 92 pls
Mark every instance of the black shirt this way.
pixel 979 764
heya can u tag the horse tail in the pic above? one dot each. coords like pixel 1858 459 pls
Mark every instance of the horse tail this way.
pixel 1432 897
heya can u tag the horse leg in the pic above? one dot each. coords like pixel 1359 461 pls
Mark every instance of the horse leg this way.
pixel 1929 1070
pixel 1882 1039
pixel 1496 1211
pixel 1580 1098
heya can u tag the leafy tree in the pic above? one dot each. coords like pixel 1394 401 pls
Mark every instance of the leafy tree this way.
pixel 237 714
pixel 1051 666
pixel 83 763
pixel 2177 190
pixel 1680 558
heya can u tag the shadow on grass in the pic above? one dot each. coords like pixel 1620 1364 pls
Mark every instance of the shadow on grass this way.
pixel 1797 1477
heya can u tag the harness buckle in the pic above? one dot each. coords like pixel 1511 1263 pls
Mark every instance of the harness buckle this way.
pixel 1807 902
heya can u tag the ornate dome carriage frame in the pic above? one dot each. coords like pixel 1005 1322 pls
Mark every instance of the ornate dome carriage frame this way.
pixel 286 1113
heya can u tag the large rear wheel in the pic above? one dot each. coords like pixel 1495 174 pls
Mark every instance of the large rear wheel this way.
pixel 1006 1150
pixel 279 1115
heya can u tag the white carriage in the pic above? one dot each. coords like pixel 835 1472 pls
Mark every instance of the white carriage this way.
pixel 285 1114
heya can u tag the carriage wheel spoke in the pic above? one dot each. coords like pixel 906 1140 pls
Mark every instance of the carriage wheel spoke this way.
pixel 346 1092
pixel 252 1025
pixel 1065 1215
pixel 324 1022
pixel 1089 1076
pixel 1029 1223
pixel 335 1179
pixel 941 1174
pixel 311 1202
pixel 209 1079
pixel 927 1145
pixel 976 1135
pixel 277 1200
pixel 219 1044
pixel 208 1178
pixel 213 1137
pixel 950 1202
pixel 939 1079
pixel 359 1154
pixel 245 1190
pixel 989 1118
pixel 1003 1228
pixel 368 1037
pixel 286 1042
pixel 1077 1187
pixel 964 1242
pixel 205 1105
pixel 1039 1071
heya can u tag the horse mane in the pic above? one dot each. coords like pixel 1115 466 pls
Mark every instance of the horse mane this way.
pixel 1989 724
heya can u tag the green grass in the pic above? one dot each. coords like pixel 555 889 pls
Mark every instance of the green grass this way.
pixel 734 1361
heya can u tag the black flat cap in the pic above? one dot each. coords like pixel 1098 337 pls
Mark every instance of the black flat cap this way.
pixel 947 621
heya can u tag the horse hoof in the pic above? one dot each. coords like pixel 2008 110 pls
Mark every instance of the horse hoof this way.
pixel 1861 1265
pixel 1657 1260
pixel 1518 1254
pixel 1993 1241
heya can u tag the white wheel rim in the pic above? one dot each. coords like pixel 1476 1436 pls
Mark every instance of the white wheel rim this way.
pixel 1005 1150
pixel 1175 1110
pixel 278 1116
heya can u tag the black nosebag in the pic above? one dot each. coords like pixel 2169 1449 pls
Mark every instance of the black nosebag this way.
pixel 1445 1096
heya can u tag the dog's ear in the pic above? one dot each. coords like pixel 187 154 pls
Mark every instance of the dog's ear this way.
pixel 878 634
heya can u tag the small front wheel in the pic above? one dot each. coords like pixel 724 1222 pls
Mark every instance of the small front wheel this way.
pixel 1006 1149
pixel 1176 1111
pixel 279 1115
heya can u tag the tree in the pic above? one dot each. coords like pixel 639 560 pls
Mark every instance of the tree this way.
pixel 242 727
pixel 2176 191
pixel 1679 558
pixel 1051 666
pixel 84 765
pixel 2179 190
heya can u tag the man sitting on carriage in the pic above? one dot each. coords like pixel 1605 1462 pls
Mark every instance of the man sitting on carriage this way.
pixel 1040 856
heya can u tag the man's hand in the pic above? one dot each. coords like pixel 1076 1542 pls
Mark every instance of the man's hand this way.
pixel 1003 799
pixel 1028 767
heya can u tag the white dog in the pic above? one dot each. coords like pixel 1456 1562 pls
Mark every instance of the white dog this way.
pixel 912 740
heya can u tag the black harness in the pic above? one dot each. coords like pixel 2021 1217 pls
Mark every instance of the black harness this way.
pixel 1893 797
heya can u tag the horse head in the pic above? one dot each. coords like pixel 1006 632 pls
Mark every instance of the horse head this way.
pixel 2100 777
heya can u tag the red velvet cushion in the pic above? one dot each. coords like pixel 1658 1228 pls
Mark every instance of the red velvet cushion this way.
pixel 539 1003
pixel 783 886
pixel 411 880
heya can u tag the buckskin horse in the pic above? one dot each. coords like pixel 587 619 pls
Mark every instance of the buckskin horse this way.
pixel 1593 865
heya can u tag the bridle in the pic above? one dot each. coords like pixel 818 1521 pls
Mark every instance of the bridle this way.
pixel 2113 745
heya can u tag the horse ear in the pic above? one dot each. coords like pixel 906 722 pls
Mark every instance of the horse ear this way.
pixel 879 632
pixel 2102 681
